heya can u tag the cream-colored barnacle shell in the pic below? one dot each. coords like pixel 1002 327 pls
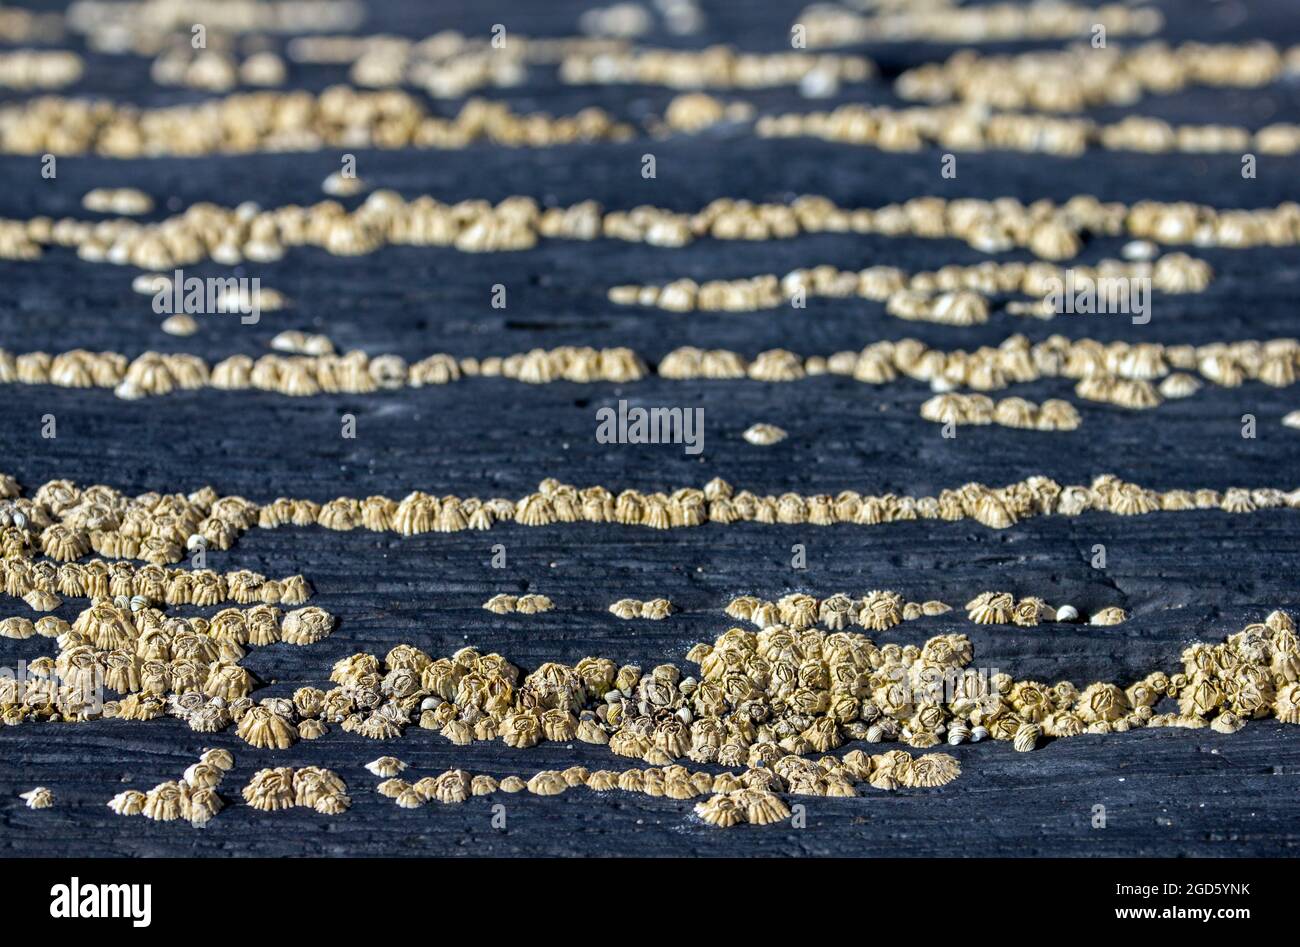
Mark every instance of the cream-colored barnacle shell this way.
pixel 626 608
pixel 880 610
pixel 742 608
pixel 656 609
pixel 305 626
pixel 38 798
pixel 128 802
pixel 1113 615
pixel 992 608
pixel 501 604
pixel 533 604
pixel 386 766
pixel 764 435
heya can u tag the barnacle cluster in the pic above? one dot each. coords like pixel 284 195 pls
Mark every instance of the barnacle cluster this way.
pixel 193 797
pixel 793 690
pixel 311 787
pixel 955 408
pixel 185 667
pixel 656 609
pixel 531 604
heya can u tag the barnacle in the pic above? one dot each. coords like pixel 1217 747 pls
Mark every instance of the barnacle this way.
pixel 991 608
pixel 263 728
pixel 501 604
pixel 547 783
pixel 931 770
pixel 386 766
pixel 656 609
pixel 764 435
pixel 38 798
pixel 533 604
pixel 270 789
pixel 880 610
pixel 165 802
pixel 305 626
pixel 626 608
pixel 723 810
pixel 1112 615
pixel 201 806
pixel 128 802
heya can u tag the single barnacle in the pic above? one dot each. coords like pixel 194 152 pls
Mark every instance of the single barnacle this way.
pixel 797 611
pixel 306 626
pixel 931 770
pixel 1028 611
pixel 263 728
pixel 221 759
pixel 202 775
pixel 880 610
pixel 41 600
pixel 311 729
pixel 742 608
pixel 386 766
pixel 723 810
pixel 761 807
pixel 38 798
pixel 602 780
pixel 165 802
pixel 17 627
pixel 312 783
pixel 547 783
pixel 764 435
pixel 1113 615
pixel 201 806
pixel 270 789
pixel 991 608
pixel 837 611
pixel 128 802
pixel 656 609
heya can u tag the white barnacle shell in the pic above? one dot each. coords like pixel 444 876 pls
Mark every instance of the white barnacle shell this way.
pixel 386 767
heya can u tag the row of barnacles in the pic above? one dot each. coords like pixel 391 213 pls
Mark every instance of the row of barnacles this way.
pixel 882 609
pixel 1053 231
pixel 55 520
pixel 157 373
pixel 1014 361
pixel 956 408
pixel 753 793
pixel 951 295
